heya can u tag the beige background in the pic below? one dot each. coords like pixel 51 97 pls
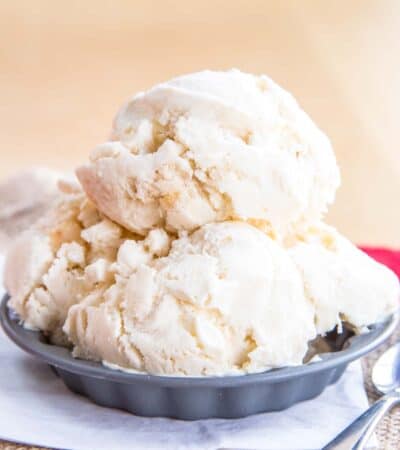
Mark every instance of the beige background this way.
pixel 66 66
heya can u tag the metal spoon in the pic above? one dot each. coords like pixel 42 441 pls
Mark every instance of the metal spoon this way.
pixel 386 380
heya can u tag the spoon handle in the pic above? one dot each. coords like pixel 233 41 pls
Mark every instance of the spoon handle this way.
pixel 357 434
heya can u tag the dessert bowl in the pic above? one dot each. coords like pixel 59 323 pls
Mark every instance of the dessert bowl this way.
pixel 192 398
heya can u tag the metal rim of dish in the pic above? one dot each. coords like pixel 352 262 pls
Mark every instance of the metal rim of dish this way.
pixel 31 342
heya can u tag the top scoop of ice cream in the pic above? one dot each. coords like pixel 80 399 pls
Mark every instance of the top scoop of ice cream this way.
pixel 208 147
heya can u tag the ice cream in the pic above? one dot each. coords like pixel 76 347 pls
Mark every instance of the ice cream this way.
pixel 208 147
pixel 226 299
pixel 213 302
pixel 43 271
pixel 197 247
pixel 343 282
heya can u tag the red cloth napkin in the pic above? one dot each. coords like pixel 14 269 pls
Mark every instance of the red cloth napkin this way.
pixel 390 258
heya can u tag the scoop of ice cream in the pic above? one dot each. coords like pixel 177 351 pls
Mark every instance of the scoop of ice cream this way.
pixel 212 146
pixel 32 255
pixel 67 256
pixel 45 270
pixel 343 282
pixel 226 299
pixel 214 303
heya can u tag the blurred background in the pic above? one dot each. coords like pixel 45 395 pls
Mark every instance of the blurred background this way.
pixel 65 67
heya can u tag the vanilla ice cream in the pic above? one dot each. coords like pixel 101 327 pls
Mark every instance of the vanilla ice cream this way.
pixel 212 302
pixel 208 147
pixel 343 283
pixel 197 246
pixel 32 255
pixel 45 271
pixel 226 299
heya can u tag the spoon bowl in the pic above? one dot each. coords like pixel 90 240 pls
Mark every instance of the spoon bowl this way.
pixel 386 372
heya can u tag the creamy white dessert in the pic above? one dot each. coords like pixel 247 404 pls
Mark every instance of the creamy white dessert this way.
pixel 45 266
pixel 208 147
pixel 343 282
pixel 226 299
pixel 197 247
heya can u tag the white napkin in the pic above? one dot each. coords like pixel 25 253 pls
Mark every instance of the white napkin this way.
pixel 36 408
